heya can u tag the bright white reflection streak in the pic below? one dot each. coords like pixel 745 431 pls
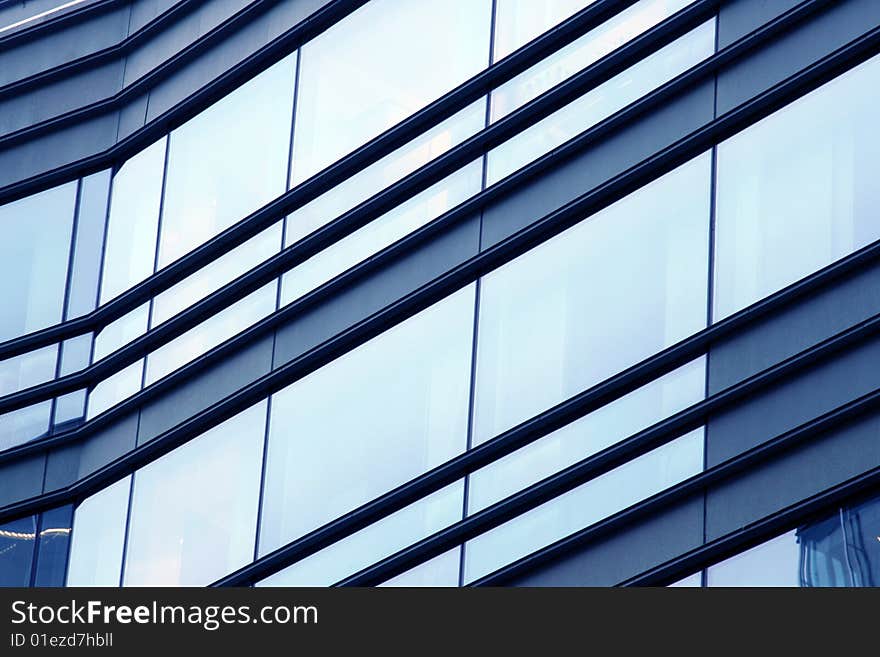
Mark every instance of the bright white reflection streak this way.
pixel 41 15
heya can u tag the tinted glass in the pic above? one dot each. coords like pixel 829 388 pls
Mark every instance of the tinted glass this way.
pixel 90 222
pixel 519 21
pixel 17 551
pixel 55 527
pixel 405 395
pixel 16 374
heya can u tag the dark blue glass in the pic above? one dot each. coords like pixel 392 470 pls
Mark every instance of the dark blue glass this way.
pixel 17 551
pixel 55 528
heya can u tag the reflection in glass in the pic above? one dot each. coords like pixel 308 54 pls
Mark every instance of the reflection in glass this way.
pixel 405 395
pixel 115 388
pixel 98 537
pixel 75 355
pixel 379 540
pixel 55 527
pixel 194 510
pixel 442 570
pixel 228 161
pixel 357 81
pixel 210 333
pixel 585 505
pixel 519 21
pixel 797 191
pixel 121 331
pixel 579 54
pixel 689 582
pixel 388 170
pixel 603 295
pixel 34 254
pixel 17 551
pixel 130 245
pixel 588 435
pixel 19 373
pixel 601 102
pixel 90 222
pixel 382 232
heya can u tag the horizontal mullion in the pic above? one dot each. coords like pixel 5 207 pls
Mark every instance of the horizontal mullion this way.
pixel 334 174
pixel 52 24
pixel 360 216
pixel 363 330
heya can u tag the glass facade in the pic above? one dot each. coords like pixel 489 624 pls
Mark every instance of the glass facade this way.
pixel 764 208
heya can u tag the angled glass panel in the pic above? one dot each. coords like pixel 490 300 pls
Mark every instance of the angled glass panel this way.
pixel 194 510
pixel 17 551
pixel 98 537
pixel 217 273
pixel 603 295
pixel 774 563
pixel 382 232
pixel 519 21
pixel 405 400
pixel 601 102
pixel 356 81
pixel 388 170
pixel 114 389
pixel 585 505
pixel 797 191
pixel 442 570
pixel 588 435
pixel 579 54
pixel 228 161
pixel 121 331
pixel 75 356
pixel 90 223
pixel 379 540
pixel 689 582
pixel 130 245
pixel 19 373
pixel 54 541
pixel 216 329
pixel 34 254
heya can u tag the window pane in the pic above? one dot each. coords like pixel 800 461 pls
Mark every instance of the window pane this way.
pixel 386 171
pixel 774 563
pixel 228 161
pixel 54 541
pixel 588 435
pixel 379 540
pixel 217 273
pixel 90 222
pixel 691 581
pixel 194 511
pixel 519 21
pixel 98 536
pixel 17 551
pixel 797 191
pixel 442 570
pixel 356 81
pixel 216 329
pixel 579 54
pixel 585 505
pixel 18 373
pixel 405 400
pixel 605 294
pixel 75 356
pixel 115 388
pixel 130 248
pixel 382 232
pixel 34 254
pixel 601 102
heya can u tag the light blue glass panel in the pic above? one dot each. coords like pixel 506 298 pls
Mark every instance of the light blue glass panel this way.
pixel 379 540
pixel 405 401
pixel 34 253
pixel 217 273
pixel 797 191
pixel 19 373
pixel 356 81
pixel 130 245
pixel 75 355
pixel 603 295
pixel 382 232
pixel 519 21
pixel 600 103
pixel 691 581
pixel 228 161
pixel 585 505
pixel 210 333
pixel 442 570
pixel 774 563
pixel 579 54
pixel 90 223
pixel 114 389
pixel 194 510
pixel 98 537
pixel 386 171
pixel 588 435
pixel 121 331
